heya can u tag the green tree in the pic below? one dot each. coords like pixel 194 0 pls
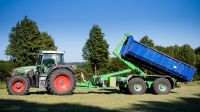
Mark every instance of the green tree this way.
pixel 147 41
pixel 184 53
pixel 46 42
pixel 161 49
pixel 187 55
pixel 25 40
pixel 96 51
pixel 197 50
pixel 197 75
pixel 174 51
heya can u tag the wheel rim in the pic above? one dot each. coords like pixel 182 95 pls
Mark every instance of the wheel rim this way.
pixel 62 83
pixel 162 87
pixel 18 86
pixel 137 87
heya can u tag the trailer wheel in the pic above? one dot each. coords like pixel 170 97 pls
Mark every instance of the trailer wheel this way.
pixel 161 86
pixel 61 82
pixel 137 86
pixel 18 85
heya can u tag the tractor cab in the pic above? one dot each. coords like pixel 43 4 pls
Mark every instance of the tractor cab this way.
pixel 47 59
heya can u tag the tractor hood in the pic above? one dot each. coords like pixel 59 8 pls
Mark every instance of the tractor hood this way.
pixel 23 70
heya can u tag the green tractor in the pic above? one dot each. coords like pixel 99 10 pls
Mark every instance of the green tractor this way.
pixel 49 72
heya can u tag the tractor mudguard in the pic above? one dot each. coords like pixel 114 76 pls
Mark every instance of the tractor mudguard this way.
pixel 57 67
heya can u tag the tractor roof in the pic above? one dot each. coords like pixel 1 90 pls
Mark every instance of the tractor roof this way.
pixel 53 52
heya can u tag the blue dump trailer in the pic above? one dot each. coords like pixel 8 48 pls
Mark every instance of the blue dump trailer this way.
pixel 165 70
pixel 156 61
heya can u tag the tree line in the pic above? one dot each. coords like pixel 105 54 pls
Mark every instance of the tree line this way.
pixel 25 40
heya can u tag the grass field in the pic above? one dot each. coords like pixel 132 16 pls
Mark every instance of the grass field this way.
pixel 184 99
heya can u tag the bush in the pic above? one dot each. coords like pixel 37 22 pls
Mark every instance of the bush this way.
pixel 86 69
pixel 2 85
pixel 5 69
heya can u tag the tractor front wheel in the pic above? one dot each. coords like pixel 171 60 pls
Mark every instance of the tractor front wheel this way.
pixel 61 82
pixel 18 85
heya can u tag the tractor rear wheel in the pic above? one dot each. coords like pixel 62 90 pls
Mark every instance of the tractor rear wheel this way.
pixel 18 85
pixel 61 82
pixel 137 86
pixel 161 86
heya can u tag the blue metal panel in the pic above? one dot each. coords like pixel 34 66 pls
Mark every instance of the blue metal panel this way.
pixel 160 60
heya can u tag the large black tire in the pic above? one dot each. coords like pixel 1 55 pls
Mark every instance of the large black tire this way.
pixel 61 82
pixel 161 86
pixel 137 86
pixel 18 85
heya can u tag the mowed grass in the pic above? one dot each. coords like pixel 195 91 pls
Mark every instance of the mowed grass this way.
pixel 184 99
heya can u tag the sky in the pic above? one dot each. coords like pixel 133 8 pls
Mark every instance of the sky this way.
pixel 166 22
